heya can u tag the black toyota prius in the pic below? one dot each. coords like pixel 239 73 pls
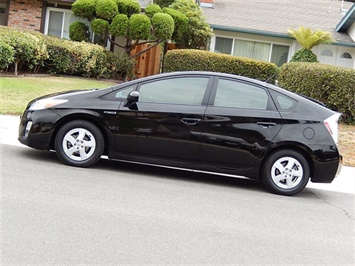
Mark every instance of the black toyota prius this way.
pixel 204 121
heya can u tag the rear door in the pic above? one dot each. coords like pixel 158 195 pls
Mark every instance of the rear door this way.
pixel 240 123
pixel 166 122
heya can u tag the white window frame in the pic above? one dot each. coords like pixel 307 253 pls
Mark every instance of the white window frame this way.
pixel 49 9
pixel 251 40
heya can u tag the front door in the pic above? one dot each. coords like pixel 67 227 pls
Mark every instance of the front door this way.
pixel 166 121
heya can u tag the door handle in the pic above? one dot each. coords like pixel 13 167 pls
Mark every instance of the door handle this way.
pixel 190 121
pixel 266 124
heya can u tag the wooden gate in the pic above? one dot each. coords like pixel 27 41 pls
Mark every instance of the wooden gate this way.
pixel 148 63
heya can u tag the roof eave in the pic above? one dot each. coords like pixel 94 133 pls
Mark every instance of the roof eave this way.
pixel 251 31
pixel 347 20
pixel 270 34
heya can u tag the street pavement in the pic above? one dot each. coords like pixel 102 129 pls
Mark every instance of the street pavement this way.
pixel 344 183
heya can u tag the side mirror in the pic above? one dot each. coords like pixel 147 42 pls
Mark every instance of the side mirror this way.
pixel 133 97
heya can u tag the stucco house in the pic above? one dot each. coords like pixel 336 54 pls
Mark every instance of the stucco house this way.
pixel 258 28
pixel 254 28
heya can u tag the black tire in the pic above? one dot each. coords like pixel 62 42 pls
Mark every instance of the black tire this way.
pixel 79 143
pixel 286 172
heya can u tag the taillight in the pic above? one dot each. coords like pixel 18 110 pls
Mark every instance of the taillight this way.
pixel 331 123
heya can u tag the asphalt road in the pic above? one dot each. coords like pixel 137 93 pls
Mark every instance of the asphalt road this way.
pixel 120 213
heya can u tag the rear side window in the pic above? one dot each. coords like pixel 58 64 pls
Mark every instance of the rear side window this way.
pixel 283 102
pixel 231 93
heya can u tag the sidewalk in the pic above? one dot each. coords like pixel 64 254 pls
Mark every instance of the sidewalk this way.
pixel 345 182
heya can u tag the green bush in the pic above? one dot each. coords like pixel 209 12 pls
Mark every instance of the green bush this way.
pixel 29 49
pixel 119 66
pixel 334 86
pixel 78 31
pixel 33 50
pixel 198 60
pixel 7 55
pixel 304 55
pixel 59 59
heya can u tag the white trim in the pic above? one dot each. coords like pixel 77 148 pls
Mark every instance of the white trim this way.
pixel 212 48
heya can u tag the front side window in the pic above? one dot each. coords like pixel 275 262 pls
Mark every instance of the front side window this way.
pixel 235 94
pixel 185 90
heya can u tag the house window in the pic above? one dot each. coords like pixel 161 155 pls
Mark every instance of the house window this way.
pixel 268 52
pixel 250 49
pixel 327 53
pixel 223 45
pixel 346 56
pixel 58 22
pixel 279 54
pixel 3 12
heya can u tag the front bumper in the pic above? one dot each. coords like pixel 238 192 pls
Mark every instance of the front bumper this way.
pixel 37 127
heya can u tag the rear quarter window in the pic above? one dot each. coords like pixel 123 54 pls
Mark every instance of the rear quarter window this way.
pixel 283 102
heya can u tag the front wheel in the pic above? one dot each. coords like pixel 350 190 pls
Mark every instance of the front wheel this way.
pixel 79 143
pixel 286 172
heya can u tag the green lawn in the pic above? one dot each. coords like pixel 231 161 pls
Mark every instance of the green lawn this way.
pixel 16 92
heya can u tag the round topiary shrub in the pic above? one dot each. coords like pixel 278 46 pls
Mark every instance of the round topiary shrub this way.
pixel 119 26
pixel 163 25
pixel 128 7
pixel 99 26
pixel 78 31
pixel 106 9
pixel 139 27
pixel 152 9
pixel 84 8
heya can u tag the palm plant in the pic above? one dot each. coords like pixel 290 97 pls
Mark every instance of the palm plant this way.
pixel 308 39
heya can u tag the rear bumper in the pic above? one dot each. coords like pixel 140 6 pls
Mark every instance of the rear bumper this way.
pixel 328 166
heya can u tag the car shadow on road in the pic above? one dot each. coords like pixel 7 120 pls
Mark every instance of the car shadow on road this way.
pixel 165 173
pixel 175 174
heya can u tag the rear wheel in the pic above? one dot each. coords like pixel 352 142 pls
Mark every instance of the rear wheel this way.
pixel 286 172
pixel 79 143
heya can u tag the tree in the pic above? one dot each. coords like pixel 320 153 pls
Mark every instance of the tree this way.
pixel 123 18
pixel 163 3
pixel 308 39
pixel 198 32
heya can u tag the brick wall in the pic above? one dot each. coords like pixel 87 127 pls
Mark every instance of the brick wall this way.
pixel 25 14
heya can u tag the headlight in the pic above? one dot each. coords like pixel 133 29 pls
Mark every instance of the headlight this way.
pixel 46 103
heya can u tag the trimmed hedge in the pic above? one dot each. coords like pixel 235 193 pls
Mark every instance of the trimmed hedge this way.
pixel 41 53
pixel 198 60
pixel 334 86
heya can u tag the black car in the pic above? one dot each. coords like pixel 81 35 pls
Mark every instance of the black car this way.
pixel 202 121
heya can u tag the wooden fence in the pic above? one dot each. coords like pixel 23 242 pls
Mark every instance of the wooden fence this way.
pixel 148 63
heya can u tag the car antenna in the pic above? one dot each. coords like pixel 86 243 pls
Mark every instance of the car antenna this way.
pixel 269 78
